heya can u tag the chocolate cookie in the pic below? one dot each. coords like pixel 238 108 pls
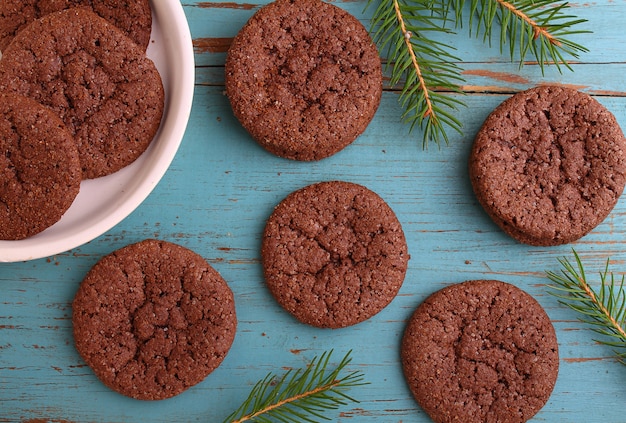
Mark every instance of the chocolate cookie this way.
pixel 304 78
pixel 334 254
pixel 480 351
pixel 153 319
pixel 548 165
pixel 108 93
pixel 39 167
pixel 132 17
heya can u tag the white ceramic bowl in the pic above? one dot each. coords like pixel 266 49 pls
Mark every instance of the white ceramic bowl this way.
pixel 104 202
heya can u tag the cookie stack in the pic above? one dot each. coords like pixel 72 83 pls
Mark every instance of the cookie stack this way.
pixel 77 65
pixel 548 165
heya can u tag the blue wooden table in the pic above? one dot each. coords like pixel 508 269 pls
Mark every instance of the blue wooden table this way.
pixel 220 189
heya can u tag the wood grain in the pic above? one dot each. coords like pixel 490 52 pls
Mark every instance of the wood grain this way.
pixel 222 186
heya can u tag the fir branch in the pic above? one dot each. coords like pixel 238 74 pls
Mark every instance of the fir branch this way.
pixel 538 27
pixel 300 395
pixel 426 66
pixel 604 309
pixel 406 33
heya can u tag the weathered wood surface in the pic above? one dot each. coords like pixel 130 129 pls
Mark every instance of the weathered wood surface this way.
pixel 220 189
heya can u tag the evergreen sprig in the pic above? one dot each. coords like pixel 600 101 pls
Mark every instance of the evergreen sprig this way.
pixel 300 395
pixel 541 27
pixel 430 73
pixel 604 309
pixel 428 68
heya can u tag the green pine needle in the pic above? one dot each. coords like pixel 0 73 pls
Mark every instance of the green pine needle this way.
pixel 301 395
pixel 428 69
pixel 537 27
pixel 430 74
pixel 604 309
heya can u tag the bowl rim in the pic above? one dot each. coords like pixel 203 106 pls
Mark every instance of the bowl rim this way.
pixel 178 103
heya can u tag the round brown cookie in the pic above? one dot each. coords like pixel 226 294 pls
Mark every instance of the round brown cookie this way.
pixel 480 351
pixel 548 165
pixel 132 17
pixel 108 93
pixel 39 167
pixel 334 254
pixel 304 78
pixel 153 319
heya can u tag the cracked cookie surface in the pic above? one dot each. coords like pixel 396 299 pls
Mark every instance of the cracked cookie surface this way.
pixel 548 165
pixel 101 84
pixel 304 78
pixel 132 17
pixel 153 319
pixel 39 168
pixel 334 254
pixel 480 351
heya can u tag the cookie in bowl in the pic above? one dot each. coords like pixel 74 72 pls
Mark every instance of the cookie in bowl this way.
pixel 132 17
pixel 40 168
pixel 107 92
